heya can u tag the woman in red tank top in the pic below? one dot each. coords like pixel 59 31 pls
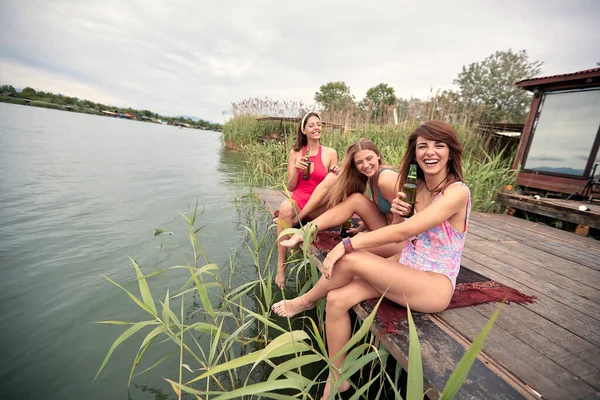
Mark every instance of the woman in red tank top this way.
pixel 309 196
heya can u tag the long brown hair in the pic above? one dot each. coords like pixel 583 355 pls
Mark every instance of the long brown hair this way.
pixel 301 139
pixel 438 131
pixel 350 180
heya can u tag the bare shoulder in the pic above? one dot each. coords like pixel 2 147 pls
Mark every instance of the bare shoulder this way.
pixel 328 150
pixel 294 153
pixel 457 191
pixel 388 178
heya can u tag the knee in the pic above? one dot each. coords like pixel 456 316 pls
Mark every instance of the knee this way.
pixel 347 263
pixel 286 210
pixel 337 302
pixel 357 198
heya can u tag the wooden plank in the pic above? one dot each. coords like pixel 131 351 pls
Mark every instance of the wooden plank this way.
pixel 578 273
pixel 560 249
pixel 557 345
pixel 548 209
pixel 520 357
pixel 558 313
pixel 440 353
pixel 553 341
pixel 519 223
pixel 561 288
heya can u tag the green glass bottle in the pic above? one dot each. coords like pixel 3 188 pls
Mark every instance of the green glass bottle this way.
pixel 306 172
pixel 345 226
pixel 410 189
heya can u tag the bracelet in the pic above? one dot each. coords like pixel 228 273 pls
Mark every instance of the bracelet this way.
pixel 347 245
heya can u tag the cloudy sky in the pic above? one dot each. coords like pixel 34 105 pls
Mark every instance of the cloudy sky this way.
pixel 195 58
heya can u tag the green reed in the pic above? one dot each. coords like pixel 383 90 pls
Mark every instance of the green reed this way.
pixel 247 350
pixel 266 161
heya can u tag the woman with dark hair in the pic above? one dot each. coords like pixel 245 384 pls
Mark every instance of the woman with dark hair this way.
pixel 363 164
pixel 308 195
pixel 425 274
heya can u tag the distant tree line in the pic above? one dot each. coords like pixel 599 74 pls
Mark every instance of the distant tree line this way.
pixel 87 106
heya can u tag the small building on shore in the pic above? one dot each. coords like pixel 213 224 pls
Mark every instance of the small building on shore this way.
pixel 558 150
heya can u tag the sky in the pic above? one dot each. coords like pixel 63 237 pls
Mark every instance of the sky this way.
pixel 197 57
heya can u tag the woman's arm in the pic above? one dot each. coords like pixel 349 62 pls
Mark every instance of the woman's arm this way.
pixel 387 186
pixel 333 160
pixel 453 201
pixel 292 176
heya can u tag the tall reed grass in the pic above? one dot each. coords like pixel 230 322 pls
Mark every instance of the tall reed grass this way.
pixel 485 171
pixel 232 346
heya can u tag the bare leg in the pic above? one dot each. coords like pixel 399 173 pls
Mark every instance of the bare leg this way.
pixel 284 221
pixel 356 203
pixel 337 325
pixel 318 197
pixel 424 291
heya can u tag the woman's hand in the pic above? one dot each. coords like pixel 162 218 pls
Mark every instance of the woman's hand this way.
pixel 334 255
pixel 399 207
pixel 335 169
pixel 301 163
pixel 360 228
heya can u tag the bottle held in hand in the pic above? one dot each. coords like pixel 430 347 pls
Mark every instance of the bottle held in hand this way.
pixel 344 230
pixel 410 189
pixel 306 172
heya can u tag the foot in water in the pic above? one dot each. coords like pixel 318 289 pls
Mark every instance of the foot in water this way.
pixel 289 308
pixel 343 386
pixel 293 241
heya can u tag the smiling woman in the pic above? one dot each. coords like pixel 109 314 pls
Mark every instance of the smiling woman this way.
pixel 309 164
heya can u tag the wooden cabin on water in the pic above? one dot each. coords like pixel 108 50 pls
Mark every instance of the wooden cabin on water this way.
pixel 558 152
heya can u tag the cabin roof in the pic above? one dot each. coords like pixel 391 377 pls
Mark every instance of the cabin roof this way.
pixel 530 84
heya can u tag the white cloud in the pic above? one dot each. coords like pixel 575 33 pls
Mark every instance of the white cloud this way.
pixel 195 58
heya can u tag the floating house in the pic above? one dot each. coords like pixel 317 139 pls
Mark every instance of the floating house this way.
pixel 558 150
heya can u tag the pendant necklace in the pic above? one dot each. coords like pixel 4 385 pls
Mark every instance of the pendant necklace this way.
pixel 432 191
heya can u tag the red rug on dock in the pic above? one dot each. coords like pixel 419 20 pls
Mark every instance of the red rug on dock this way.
pixel 471 289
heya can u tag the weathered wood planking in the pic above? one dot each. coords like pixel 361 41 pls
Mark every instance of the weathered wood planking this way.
pixel 554 208
pixel 537 227
pixel 442 348
pixel 561 249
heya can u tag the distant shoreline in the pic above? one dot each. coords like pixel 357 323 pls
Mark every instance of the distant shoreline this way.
pixel 106 111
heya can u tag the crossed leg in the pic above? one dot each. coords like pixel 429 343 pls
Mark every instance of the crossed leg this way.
pixel 356 203
pixel 424 291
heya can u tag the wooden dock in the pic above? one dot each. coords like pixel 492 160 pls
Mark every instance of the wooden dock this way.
pixel 549 349
pixel 565 210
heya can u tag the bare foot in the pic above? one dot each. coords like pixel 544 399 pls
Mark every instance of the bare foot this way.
pixel 289 308
pixel 342 387
pixel 280 278
pixel 293 241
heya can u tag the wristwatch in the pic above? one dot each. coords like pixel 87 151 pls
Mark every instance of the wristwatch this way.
pixel 347 245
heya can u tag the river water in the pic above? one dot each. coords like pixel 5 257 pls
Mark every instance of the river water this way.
pixel 79 195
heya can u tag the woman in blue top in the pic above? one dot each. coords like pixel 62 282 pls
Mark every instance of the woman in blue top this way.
pixel 362 164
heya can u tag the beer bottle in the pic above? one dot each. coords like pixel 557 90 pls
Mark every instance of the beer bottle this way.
pixel 410 189
pixel 306 172
pixel 345 226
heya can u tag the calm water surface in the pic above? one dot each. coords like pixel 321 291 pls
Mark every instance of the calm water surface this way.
pixel 79 194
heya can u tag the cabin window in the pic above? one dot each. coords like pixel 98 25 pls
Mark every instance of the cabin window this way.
pixel 564 132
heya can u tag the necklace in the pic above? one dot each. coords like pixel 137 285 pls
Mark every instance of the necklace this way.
pixel 432 191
